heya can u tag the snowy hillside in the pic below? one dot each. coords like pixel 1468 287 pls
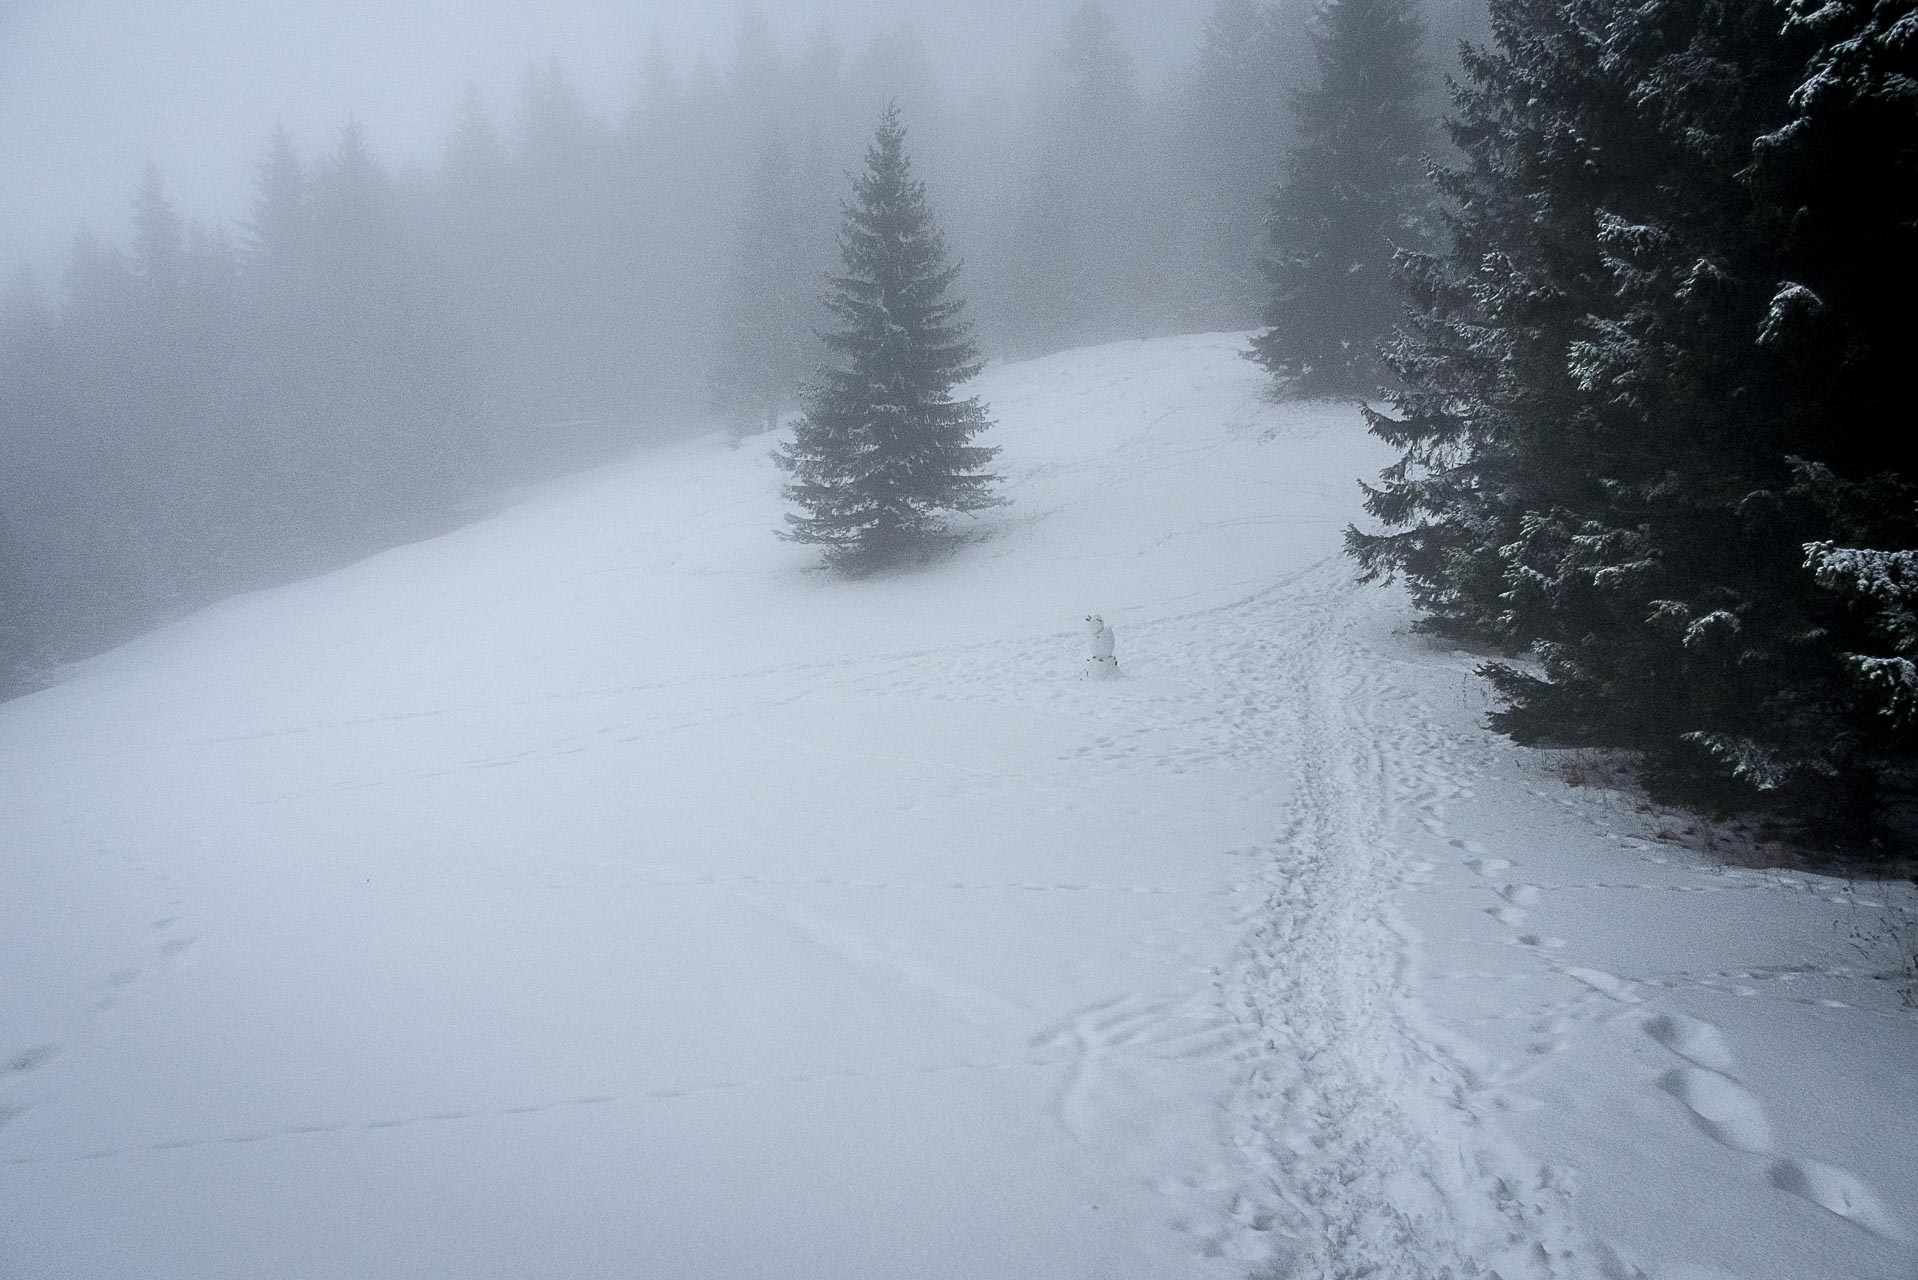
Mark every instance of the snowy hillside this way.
pixel 597 891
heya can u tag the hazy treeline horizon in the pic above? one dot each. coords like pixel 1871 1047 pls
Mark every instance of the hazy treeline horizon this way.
pixel 201 408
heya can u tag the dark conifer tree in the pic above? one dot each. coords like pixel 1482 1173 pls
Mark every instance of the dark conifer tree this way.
pixel 473 240
pixel 1078 265
pixel 1739 357
pixel 884 449
pixel 276 256
pixel 1354 195
pixel 159 244
pixel 1842 172
pixel 570 303
pixel 1231 133
pixel 31 409
pixel 283 351
pixel 756 80
pixel 767 343
pixel 1651 370
pixel 388 376
pixel 1545 140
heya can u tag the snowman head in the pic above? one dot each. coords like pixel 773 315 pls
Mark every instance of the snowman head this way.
pixel 1094 623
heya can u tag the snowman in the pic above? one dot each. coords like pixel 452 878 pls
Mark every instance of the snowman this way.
pixel 1100 664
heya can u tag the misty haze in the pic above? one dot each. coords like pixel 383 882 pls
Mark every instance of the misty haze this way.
pixel 1085 638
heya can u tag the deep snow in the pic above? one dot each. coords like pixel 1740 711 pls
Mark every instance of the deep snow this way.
pixel 597 891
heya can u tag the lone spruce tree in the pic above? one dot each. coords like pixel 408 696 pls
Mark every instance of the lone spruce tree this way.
pixel 883 449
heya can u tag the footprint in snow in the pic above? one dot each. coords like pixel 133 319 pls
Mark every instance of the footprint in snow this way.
pixel 1841 1193
pixel 1614 1265
pixel 1724 1109
pixel 31 1059
pixel 1606 984
pixel 1509 1101
pixel 1696 1041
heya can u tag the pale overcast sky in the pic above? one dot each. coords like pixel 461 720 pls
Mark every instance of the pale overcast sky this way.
pixel 90 90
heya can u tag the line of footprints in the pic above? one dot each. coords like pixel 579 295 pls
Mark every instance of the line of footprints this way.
pixel 167 945
pixel 1707 1084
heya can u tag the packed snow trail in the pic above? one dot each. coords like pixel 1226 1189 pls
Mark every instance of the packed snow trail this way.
pixel 597 891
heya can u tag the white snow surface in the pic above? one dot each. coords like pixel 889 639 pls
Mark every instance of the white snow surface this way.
pixel 599 891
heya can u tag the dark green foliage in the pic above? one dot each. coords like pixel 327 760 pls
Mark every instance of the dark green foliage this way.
pixel 1489 320
pixel 1354 195
pixel 884 449
pixel 1840 180
pixel 1651 375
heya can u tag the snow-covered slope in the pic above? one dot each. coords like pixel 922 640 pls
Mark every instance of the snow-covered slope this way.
pixel 597 891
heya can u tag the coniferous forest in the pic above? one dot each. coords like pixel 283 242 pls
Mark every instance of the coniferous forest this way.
pixel 192 408
pixel 1655 441
pixel 1626 285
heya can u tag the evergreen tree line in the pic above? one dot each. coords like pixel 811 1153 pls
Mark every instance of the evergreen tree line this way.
pixel 1650 394
pixel 198 414
pixel 203 409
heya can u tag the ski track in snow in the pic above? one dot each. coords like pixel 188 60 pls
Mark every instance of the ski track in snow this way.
pixel 1364 1154
pixel 326 1128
